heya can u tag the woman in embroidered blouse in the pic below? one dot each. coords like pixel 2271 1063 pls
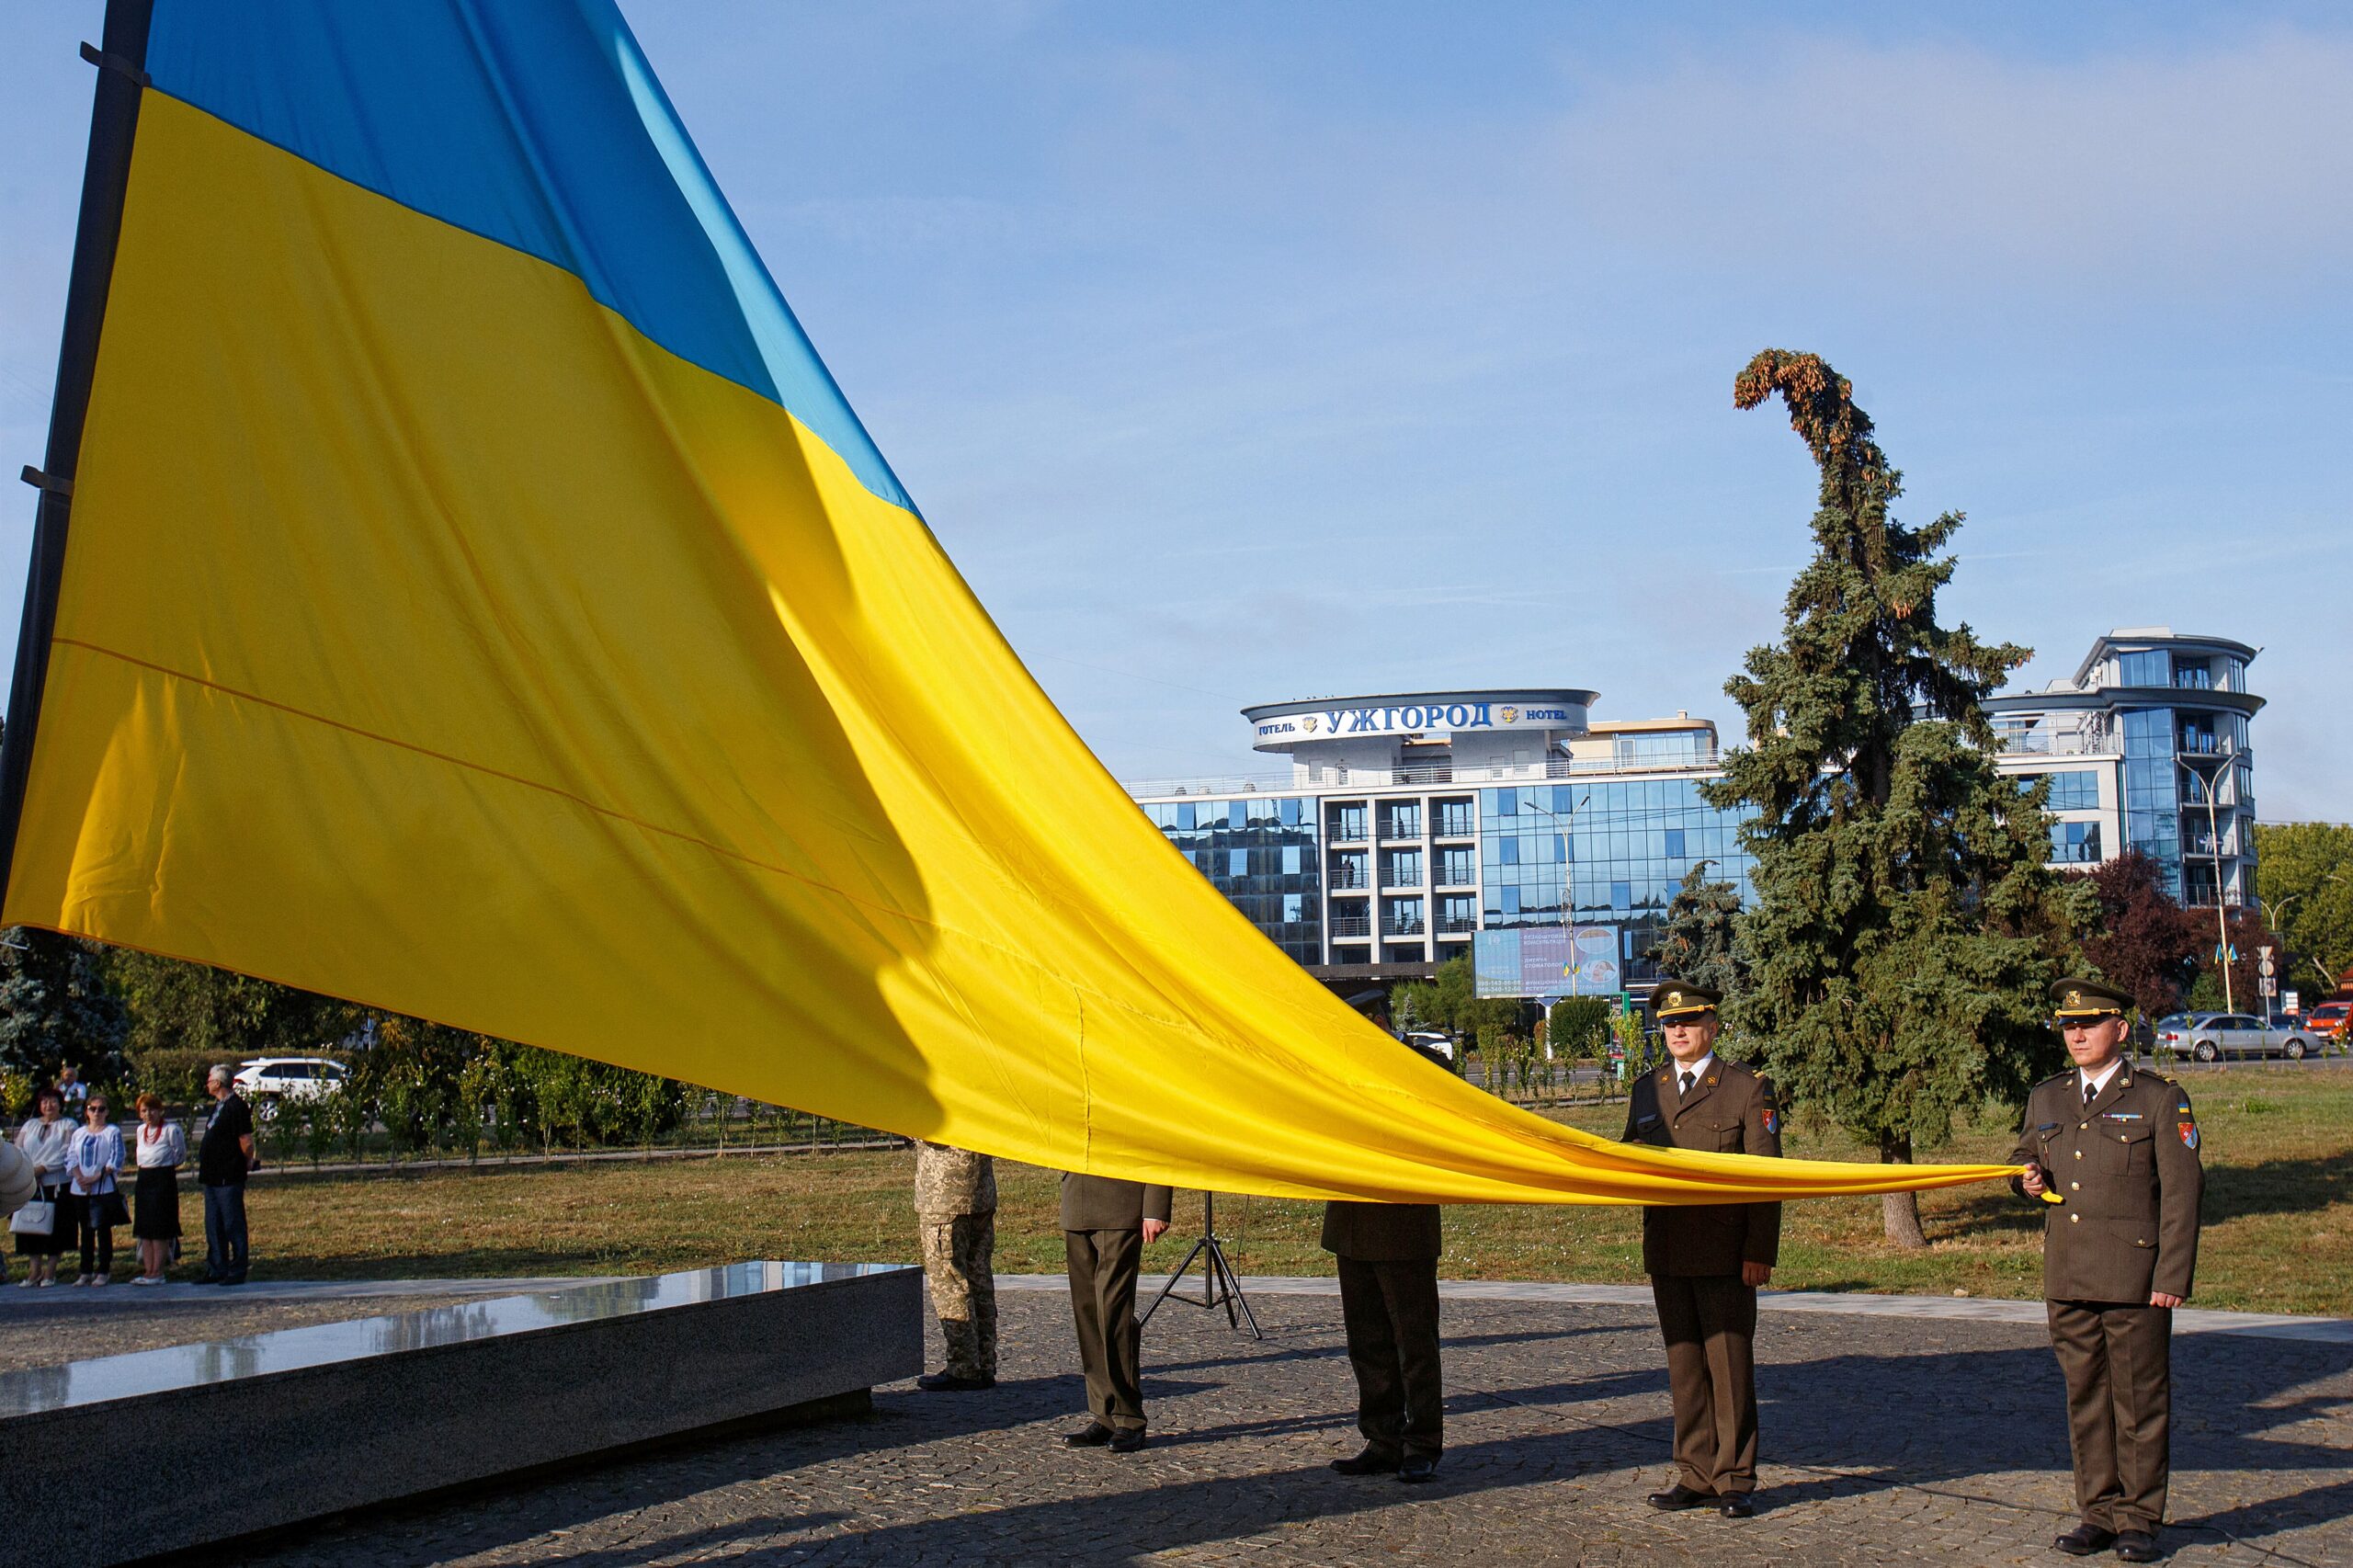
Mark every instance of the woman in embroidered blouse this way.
pixel 43 1141
pixel 163 1149
pixel 92 1160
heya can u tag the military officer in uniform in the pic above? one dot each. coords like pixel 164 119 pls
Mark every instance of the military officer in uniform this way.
pixel 1388 1258
pixel 956 1213
pixel 1706 1261
pixel 2111 1151
pixel 1106 1224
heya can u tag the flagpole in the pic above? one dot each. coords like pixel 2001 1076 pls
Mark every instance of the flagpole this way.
pixel 121 61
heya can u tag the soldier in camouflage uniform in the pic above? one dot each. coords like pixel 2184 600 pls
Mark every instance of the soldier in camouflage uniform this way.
pixel 956 1212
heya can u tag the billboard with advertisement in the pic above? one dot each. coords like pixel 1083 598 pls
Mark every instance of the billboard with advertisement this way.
pixel 1546 960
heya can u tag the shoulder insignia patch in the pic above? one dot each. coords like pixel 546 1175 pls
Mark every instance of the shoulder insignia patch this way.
pixel 2189 1134
pixel 1772 1122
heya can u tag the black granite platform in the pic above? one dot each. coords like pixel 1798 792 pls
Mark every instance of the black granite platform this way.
pixel 279 1427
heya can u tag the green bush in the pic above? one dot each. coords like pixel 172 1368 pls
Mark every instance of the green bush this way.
pixel 1578 1026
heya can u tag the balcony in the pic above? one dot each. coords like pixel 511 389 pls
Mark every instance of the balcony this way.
pixel 1350 927
pixel 2088 742
pixel 1349 830
pixel 1456 925
pixel 1349 876
pixel 1406 828
pixel 1393 926
pixel 1402 877
pixel 1464 826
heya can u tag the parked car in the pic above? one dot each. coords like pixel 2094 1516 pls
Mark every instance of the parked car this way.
pixel 1430 1039
pixel 2219 1035
pixel 2172 1031
pixel 291 1078
pixel 2329 1020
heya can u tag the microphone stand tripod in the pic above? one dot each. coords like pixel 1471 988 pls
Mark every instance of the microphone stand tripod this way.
pixel 1220 1286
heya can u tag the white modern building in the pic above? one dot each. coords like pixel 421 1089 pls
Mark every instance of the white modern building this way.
pixel 2146 748
pixel 1399 829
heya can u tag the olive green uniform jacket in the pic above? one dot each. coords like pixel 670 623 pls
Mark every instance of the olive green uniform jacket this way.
pixel 2128 1168
pixel 1732 1110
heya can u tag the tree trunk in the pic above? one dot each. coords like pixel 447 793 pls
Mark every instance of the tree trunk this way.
pixel 1900 1211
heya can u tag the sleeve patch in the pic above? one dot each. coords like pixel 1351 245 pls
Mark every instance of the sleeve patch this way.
pixel 1772 1122
pixel 2189 1134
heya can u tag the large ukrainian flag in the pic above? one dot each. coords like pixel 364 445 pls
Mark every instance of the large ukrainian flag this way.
pixel 482 603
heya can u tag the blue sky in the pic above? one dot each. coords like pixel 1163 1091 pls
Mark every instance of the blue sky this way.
pixel 1241 352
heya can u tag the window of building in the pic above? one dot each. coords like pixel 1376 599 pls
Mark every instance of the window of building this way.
pixel 1621 895
pixel 1290 810
pixel 1456 867
pixel 1455 819
pixel 1348 821
pixel 1511 901
pixel 1185 815
pixel 2151 666
pixel 2074 843
pixel 1238 862
pixel 2076 790
pixel 1509 849
pixel 1290 860
pixel 1506 802
pixel 1675 843
pixel 1294 908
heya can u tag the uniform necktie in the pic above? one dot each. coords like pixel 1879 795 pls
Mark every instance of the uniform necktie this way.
pixel 1687 1082
pixel 2091 1091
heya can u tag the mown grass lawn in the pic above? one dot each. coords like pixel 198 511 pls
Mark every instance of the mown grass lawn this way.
pixel 2278 1237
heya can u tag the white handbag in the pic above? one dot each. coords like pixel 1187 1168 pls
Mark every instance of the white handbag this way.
pixel 37 1218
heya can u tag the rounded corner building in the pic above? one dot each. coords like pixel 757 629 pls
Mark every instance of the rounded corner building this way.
pixel 1407 827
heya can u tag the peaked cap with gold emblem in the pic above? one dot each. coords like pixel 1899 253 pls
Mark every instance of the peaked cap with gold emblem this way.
pixel 1681 999
pixel 2079 998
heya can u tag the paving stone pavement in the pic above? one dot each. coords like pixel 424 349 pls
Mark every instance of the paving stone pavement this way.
pixel 1885 1440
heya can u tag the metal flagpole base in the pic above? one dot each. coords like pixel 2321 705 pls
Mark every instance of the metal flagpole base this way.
pixel 1219 1286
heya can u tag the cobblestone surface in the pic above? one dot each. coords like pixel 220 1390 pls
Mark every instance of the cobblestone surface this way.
pixel 1885 1440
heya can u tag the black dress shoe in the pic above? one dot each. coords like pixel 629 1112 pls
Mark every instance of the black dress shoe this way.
pixel 1372 1461
pixel 2083 1540
pixel 1738 1506
pixel 1417 1469
pixel 1126 1440
pixel 2136 1546
pixel 1680 1496
pixel 948 1382
pixel 1094 1435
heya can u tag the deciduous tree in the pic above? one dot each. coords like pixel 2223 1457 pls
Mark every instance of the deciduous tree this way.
pixel 2142 941
pixel 2306 879
pixel 1904 924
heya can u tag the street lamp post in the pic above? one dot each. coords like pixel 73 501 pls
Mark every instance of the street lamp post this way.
pixel 1569 859
pixel 2214 847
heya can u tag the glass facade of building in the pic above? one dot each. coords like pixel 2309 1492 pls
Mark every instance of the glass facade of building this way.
pixel 1261 852
pixel 1623 845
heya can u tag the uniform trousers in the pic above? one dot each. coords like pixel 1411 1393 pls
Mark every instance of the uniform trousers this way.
pixel 958 1261
pixel 1391 1313
pixel 1710 1322
pixel 1103 1268
pixel 2118 1362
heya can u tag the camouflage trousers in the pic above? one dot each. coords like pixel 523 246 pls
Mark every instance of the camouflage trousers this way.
pixel 956 1260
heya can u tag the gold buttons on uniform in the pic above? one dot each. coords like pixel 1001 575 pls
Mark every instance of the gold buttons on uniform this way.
pixel 2074 1219
pixel 2079 1153
pixel 2075 1187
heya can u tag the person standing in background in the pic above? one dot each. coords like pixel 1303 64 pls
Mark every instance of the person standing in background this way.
pixel 223 1160
pixel 93 1159
pixel 1107 1223
pixel 161 1149
pixel 44 1141
pixel 75 1093
pixel 956 1212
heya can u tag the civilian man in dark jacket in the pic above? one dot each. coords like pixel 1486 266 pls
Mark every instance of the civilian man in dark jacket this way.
pixel 223 1160
pixel 1106 1223
pixel 2111 1151
pixel 1706 1261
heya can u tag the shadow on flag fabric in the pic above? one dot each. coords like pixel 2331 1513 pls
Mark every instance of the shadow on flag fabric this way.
pixel 481 603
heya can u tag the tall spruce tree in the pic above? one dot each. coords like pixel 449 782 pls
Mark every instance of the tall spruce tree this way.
pixel 56 1006
pixel 1697 942
pixel 1904 924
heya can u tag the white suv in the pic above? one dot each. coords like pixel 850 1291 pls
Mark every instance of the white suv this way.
pixel 292 1077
